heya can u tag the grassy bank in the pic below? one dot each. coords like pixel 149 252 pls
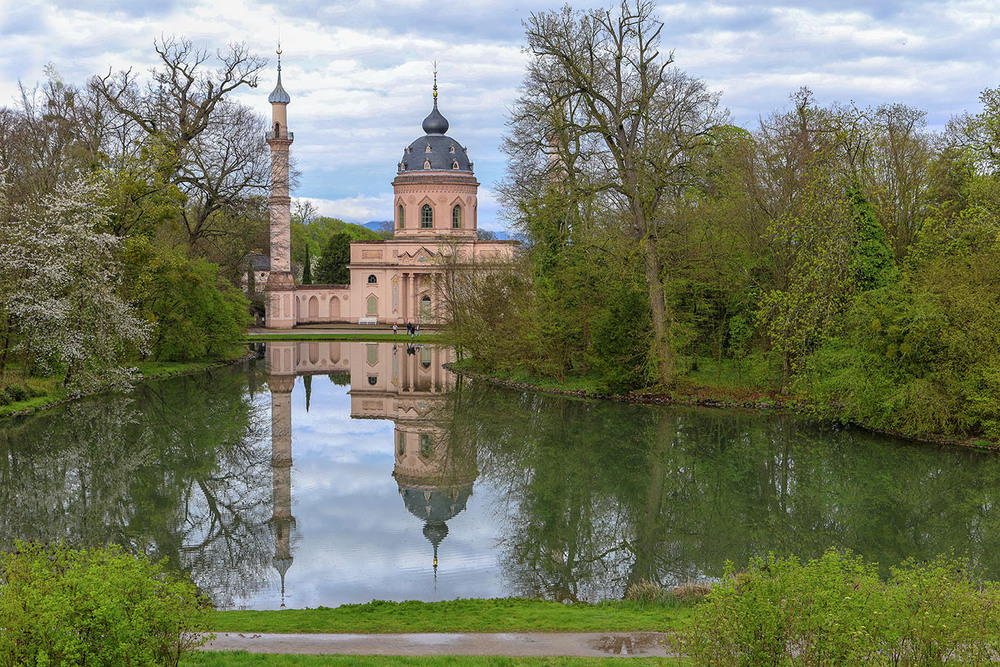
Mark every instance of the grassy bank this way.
pixel 47 392
pixel 501 615
pixel 709 384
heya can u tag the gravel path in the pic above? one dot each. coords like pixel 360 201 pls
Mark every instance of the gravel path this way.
pixel 516 644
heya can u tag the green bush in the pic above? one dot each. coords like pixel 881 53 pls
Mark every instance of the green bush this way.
pixel 13 393
pixel 66 606
pixel 836 610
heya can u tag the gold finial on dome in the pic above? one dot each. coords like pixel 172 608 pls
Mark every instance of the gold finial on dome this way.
pixel 435 80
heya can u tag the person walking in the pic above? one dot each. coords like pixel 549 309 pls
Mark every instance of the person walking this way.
pixel 395 328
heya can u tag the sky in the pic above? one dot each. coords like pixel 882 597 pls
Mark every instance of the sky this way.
pixel 359 72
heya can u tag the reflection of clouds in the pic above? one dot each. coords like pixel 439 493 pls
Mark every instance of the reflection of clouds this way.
pixel 354 540
pixel 328 428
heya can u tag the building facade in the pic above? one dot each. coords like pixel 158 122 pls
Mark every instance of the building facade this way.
pixel 397 280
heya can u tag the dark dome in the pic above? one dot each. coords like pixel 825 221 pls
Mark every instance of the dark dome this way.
pixel 435 123
pixel 278 95
pixel 435 152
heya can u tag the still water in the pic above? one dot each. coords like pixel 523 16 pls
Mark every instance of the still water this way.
pixel 331 473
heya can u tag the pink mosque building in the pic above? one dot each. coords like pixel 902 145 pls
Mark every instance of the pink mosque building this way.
pixel 396 280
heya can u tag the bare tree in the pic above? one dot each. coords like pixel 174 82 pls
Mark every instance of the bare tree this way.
pixel 209 147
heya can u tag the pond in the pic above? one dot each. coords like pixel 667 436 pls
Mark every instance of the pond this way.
pixel 331 473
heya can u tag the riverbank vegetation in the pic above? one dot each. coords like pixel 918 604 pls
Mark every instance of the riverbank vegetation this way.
pixel 127 209
pixel 844 256
pixel 837 610
pixel 93 606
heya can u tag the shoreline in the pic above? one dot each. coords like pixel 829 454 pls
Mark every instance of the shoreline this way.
pixel 774 405
pixel 207 366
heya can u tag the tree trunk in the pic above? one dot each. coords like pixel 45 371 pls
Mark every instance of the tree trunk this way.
pixel 660 347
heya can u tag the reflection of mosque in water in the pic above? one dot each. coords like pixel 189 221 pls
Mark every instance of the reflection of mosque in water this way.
pixel 405 384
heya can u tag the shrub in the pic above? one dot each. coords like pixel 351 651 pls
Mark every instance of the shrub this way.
pixel 99 607
pixel 836 610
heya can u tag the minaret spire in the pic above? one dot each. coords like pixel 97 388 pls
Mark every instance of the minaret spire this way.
pixel 435 123
pixel 435 84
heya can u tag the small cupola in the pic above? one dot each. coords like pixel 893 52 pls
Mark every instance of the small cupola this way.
pixel 278 95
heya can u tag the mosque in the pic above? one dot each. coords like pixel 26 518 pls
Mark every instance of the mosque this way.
pixel 392 281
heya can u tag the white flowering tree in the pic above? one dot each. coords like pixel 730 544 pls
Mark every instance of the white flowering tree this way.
pixel 60 304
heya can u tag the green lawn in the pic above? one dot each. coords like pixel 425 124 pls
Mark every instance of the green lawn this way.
pixel 50 390
pixel 500 615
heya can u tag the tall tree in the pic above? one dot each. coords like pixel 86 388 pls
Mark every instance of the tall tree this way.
pixel 599 94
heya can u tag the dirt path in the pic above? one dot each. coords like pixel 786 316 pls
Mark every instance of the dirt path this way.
pixel 514 644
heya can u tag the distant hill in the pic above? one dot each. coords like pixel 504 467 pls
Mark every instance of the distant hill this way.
pixel 378 225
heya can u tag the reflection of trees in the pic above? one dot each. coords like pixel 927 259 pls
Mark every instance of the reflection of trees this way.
pixel 180 469
pixel 600 494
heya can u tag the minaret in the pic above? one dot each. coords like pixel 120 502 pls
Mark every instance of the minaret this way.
pixel 280 285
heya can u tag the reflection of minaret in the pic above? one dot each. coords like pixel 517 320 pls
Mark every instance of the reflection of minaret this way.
pixel 281 459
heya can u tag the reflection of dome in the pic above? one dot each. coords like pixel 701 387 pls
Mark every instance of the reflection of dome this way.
pixel 282 565
pixel 434 506
pixel 435 531
pixel 437 504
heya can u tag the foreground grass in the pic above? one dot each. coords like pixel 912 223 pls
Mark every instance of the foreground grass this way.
pixel 227 658
pixel 502 615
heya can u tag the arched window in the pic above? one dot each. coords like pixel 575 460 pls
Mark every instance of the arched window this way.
pixel 426 217
pixel 456 217
pixel 425 307
pixel 373 380
pixel 372 306
pixel 401 439
pixel 373 279
pixel 425 356
pixel 400 218
pixel 426 445
pixel 427 164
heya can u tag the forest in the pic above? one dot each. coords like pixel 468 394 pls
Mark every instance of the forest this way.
pixel 843 257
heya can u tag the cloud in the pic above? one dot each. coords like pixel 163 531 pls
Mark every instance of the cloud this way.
pixel 359 73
